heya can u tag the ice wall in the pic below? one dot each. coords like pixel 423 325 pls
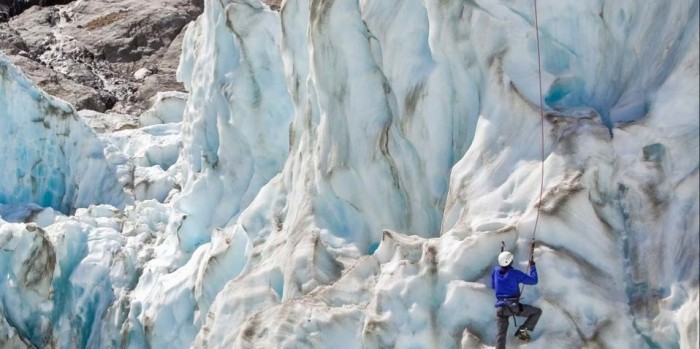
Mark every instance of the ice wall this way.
pixel 235 138
pixel 386 112
pixel 351 167
pixel 236 122
pixel 68 284
pixel 49 156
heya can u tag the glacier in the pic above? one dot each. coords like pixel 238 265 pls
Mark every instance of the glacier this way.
pixel 342 173
pixel 50 157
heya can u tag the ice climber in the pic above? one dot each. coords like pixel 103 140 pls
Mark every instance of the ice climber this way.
pixel 505 280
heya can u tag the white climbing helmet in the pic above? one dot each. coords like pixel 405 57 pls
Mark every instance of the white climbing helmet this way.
pixel 505 258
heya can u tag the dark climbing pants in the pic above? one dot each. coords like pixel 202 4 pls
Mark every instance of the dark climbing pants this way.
pixel 504 314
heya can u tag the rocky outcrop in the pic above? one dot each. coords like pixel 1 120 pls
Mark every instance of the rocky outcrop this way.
pixel 89 52
pixel 100 55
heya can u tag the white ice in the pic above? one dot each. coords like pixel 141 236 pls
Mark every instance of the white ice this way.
pixel 343 172
pixel 50 158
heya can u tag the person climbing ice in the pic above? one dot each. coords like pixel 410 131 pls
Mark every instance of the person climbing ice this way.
pixel 505 280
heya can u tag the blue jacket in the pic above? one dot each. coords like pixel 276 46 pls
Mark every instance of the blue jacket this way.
pixel 506 281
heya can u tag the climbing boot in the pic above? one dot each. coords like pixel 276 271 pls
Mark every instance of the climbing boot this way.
pixel 522 335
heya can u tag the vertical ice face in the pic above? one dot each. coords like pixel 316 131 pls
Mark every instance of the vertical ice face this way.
pixel 658 160
pixel 608 72
pixel 49 156
pixel 394 99
pixel 407 134
pixel 236 122
pixel 356 183
pixel 374 135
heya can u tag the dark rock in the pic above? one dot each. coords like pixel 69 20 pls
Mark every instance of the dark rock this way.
pixel 163 75
pixel 87 52
pixel 81 96
pixel 34 29
pixel 10 41
pixel 130 30
pixel 16 7
pixel 4 13
pixel 274 4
